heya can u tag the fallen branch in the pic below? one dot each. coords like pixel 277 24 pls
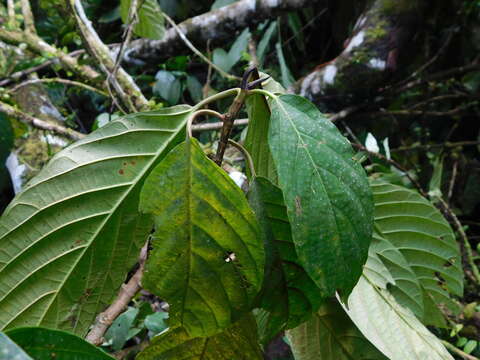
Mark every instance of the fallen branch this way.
pixel 39 124
pixel 125 295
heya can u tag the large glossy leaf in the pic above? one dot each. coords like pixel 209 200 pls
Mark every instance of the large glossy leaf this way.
pixel 418 246
pixel 11 351
pixel 327 193
pixel 41 343
pixel 239 342
pixel 289 296
pixel 207 259
pixel 256 141
pixel 331 335
pixel 393 329
pixel 151 23
pixel 67 241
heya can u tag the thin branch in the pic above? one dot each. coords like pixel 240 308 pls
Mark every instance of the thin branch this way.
pixel 127 36
pixel 465 241
pixel 39 46
pixel 217 125
pixel 198 52
pixel 458 71
pixel 58 80
pixel 21 74
pixel 124 85
pixel 40 124
pixel 28 19
pixel 433 146
pixel 12 22
pixel 125 295
pixel 458 352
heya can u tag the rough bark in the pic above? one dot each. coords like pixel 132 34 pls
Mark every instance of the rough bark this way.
pixel 216 26
pixel 369 59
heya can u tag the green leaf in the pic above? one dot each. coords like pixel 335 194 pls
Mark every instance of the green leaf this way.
pixel 470 346
pixel 151 23
pixel 41 343
pixel 289 296
pixel 393 329
pixel 256 141
pixel 419 248
pixel 265 41
pixel 118 332
pixel 327 194
pixel 331 335
pixel 11 351
pixel 239 46
pixel 167 86
pixel 156 322
pixel 68 240
pixel 226 61
pixel 206 238
pixel 195 88
pixel 287 77
pixel 222 60
pixel 239 342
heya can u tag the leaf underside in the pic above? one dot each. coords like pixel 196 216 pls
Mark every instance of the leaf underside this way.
pixel 393 329
pixel 418 247
pixel 289 296
pixel 239 342
pixel 327 193
pixel 331 335
pixel 67 241
pixel 207 259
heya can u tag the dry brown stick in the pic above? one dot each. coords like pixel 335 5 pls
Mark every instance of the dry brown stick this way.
pixel 40 124
pixel 125 295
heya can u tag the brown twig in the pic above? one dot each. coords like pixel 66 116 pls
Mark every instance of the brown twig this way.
pixel 125 295
pixel 39 124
